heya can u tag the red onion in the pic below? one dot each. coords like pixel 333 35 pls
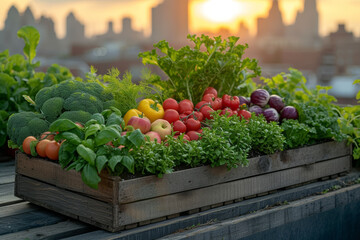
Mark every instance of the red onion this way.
pixel 271 115
pixel 289 112
pixel 276 102
pixel 256 109
pixel 244 100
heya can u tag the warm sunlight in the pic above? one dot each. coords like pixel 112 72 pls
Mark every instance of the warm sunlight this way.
pixel 221 11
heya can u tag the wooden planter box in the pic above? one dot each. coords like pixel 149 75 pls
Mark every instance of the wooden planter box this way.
pixel 129 203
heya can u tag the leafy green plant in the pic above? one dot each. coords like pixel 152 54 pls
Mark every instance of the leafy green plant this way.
pixel 296 134
pixel 211 62
pixel 97 145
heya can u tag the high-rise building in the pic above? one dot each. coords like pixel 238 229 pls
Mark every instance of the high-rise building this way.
pixel 170 20
pixel 75 30
pixel 8 36
pixel 272 25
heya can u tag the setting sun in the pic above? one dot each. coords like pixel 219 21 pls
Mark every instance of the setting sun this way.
pixel 221 11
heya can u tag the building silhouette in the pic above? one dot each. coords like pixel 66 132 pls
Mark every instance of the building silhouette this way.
pixel 170 20
pixel 271 26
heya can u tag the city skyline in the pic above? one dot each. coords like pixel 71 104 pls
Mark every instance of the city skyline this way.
pixel 248 12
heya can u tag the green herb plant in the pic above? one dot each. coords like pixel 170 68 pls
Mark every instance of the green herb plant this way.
pixel 212 62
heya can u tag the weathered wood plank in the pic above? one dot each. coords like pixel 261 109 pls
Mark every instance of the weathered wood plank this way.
pixel 28 220
pixel 7 194
pixel 52 173
pixel 55 231
pixel 7 179
pixel 170 204
pixel 7 168
pixel 65 202
pixel 18 208
pixel 151 186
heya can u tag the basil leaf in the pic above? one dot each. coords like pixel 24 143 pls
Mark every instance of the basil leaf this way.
pixel 106 135
pixel 114 119
pixel 90 176
pixel 62 125
pixel 66 153
pixel 137 138
pixel 93 129
pixel 33 148
pixel 114 160
pixel 100 163
pixel 129 163
pixel 98 117
pixel 70 137
pixel 86 153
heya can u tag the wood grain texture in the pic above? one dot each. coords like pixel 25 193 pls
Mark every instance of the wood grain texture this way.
pixel 63 201
pixel 7 194
pixel 52 173
pixel 170 204
pixel 18 208
pixel 55 231
pixel 152 186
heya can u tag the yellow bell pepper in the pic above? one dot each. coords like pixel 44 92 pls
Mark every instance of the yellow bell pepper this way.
pixel 152 110
pixel 132 113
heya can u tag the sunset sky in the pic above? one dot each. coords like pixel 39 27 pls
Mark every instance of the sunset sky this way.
pixel 204 14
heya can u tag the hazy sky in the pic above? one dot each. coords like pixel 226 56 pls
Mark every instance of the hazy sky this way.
pixel 96 13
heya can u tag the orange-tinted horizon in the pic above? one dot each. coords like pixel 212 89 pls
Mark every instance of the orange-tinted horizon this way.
pixel 204 15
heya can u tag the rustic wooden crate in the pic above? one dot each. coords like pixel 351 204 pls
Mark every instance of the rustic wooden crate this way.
pixel 119 203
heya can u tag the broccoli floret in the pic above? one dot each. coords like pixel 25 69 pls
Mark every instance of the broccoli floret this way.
pixel 83 101
pixel 76 116
pixel 52 108
pixel 42 96
pixel 24 124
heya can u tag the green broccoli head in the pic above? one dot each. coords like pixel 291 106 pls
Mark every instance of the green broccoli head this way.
pixel 42 96
pixel 83 101
pixel 52 108
pixel 24 124
pixel 76 116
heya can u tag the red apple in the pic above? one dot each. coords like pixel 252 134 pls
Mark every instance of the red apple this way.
pixel 171 115
pixel 154 136
pixel 143 124
pixel 162 127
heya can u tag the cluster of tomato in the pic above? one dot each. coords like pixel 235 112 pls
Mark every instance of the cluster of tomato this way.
pixel 46 147
pixel 186 118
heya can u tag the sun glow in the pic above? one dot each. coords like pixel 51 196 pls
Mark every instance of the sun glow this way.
pixel 221 11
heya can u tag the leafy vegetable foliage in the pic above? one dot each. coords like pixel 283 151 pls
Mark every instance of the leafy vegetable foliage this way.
pixel 211 62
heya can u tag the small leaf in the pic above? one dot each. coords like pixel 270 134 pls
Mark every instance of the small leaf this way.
pixel 33 148
pixel 137 138
pixel 86 153
pixel 62 125
pixel 106 135
pixel 100 163
pixel 114 160
pixel 90 176
pixel 129 163
pixel 69 137
pixel 31 38
pixel 93 129
pixel 66 153
pixel 114 119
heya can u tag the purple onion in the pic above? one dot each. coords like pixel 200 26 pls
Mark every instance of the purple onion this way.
pixel 271 115
pixel 256 109
pixel 244 100
pixel 289 112
pixel 276 102
pixel 260 97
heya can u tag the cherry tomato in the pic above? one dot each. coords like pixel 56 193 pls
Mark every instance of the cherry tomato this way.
pixel 26 144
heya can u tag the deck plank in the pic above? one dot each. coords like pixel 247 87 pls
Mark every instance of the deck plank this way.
pixel 7 194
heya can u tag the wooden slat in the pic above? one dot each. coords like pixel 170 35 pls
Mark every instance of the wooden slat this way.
pixel 52 173
pixel 55 231
pixel 170 204
pixel 7 194
pixel 7 179
pixel 151 186
pixel 7 168
pixel 63 201
pixel 17 208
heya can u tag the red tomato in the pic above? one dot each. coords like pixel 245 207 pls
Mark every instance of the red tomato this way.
pixel 210 90
pixel 201 104
pixel 243 114
pixel 217 104
pixel 232 102
pixel 185 105
pixel 193 135
pixel 26 144
pixel 179 127
pixel 228 112
pixel 197 116
pixel 193 125
pixel 40 147
pixel 171 115
pixel 170 103
pixel 47 135
pixel 206 111
pixel 52 150
pixel 209 98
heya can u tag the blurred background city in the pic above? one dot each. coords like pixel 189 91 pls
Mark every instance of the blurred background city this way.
pixel 319 37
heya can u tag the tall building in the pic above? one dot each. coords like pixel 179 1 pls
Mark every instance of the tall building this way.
pixel 75 30
pixel 8 36
pixel 272 25
pixel 170 20
pixel 305 30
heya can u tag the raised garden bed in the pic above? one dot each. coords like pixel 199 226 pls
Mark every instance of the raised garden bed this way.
pixel 119 204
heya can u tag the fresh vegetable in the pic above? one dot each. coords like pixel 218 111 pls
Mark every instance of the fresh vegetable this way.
pixel 171 103
pixel 192 124
pixel 256 109
pixel 52 150
pixel 190 71
pixel 276 102
pixel 211 90
pixel 132 113
pixel 244 100
pixel 24 124
pixel 152 110
pixel 26 144
pixel 171 115
pixel 296 134
pixel 186 106
pixel 289 112
pixel 243 114
pixel 260 97
pixel 271 114
pixel 141 123
pixel 41 146
pixel 179 127
pixel 231 102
